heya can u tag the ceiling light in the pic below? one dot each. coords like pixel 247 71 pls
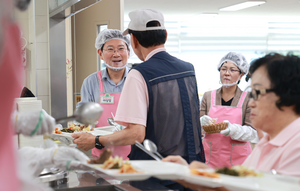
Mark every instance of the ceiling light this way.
pixel 209 14
pixel 243 5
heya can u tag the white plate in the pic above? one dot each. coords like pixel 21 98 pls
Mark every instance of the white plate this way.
pixel 267 182
pixel 202 180
pixel 105 128
pixel 68 139
pixel 147 169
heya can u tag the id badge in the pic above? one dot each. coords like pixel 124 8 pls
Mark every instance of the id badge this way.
pixel 107 99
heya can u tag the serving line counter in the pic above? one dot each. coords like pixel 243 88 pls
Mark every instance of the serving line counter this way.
pixel 94 180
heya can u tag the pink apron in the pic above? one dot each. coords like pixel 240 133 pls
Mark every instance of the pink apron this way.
pixel 109 102
pixel 10 85
pixel 221 150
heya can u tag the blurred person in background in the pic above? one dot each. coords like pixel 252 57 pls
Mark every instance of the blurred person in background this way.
pixel 229 103
pixel 105 86
pixel 19 170
pixel 275 109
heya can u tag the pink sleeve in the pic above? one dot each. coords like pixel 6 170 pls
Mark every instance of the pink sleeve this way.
pixel 290 160
pixel 134 101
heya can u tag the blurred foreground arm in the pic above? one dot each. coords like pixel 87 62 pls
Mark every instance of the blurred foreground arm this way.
pixel 64 158
pixel 33 123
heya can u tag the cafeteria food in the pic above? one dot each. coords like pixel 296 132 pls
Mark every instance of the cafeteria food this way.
pixel 209 125
pixel 228 171
pixel 114 163
pixel 73 128
pixel 80 128
pixel 102 158
pixel 110 162
pixel 127 168
pixel 57 131
pixel 241 171
pixel 206 174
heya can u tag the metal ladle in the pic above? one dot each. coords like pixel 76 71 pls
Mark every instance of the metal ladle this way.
pixel 88 113
pixel 150 146
pixel 112 122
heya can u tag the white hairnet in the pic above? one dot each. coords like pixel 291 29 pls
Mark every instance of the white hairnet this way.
pixel 109 34
pixel 238 59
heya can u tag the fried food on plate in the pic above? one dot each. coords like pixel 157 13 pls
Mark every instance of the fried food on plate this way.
pixel 238 171
pixel 73 128
pixel 102 158
pixel 57 131
pixel 127 168
pixel 205 174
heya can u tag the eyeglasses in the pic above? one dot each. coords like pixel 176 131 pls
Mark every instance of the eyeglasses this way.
pixel 254 93
pixel 112 51
pixel 230 70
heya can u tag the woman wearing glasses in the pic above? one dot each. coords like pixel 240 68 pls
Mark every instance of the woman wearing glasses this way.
pixel 105 86
pixel 229 103
pixel 275 109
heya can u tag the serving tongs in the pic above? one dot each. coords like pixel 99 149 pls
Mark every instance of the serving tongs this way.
pixel 139 145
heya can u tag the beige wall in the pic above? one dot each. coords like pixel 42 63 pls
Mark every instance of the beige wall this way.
pixel 108 12
pixel 34 25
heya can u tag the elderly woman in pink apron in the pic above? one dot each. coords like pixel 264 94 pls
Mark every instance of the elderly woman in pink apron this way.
pixel 105 86
pixel 228 103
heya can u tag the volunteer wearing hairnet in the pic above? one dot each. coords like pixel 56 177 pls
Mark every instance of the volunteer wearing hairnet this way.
pixel 229 104
pixel 105 86
pixel 18 174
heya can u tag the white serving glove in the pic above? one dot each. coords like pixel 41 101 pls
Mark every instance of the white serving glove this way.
pixel 64 158
pixel 33 123
pixel 240 133
pixel 206 120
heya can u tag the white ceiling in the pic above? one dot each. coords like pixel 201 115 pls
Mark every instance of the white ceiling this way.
pixel 182 9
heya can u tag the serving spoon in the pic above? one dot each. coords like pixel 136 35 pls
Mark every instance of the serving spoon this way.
pixel 150 146
pixel 88 114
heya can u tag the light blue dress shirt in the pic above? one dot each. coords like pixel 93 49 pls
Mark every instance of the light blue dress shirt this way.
pixel 90 89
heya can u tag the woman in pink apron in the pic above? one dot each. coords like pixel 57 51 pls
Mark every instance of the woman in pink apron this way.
pixel 105 86
pixel 231 146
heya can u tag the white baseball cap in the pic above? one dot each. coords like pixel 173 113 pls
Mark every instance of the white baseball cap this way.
pixel 140 18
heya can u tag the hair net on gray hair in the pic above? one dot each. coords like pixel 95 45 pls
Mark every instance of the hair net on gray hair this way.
pixel 109 34
pixel 238 59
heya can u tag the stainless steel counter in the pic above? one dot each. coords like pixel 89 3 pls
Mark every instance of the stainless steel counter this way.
pixel 92 180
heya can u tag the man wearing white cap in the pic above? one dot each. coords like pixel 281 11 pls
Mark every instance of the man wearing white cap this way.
pixel 159 100
pixel 165 102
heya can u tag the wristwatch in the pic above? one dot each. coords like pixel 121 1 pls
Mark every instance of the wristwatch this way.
pixel 98 145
